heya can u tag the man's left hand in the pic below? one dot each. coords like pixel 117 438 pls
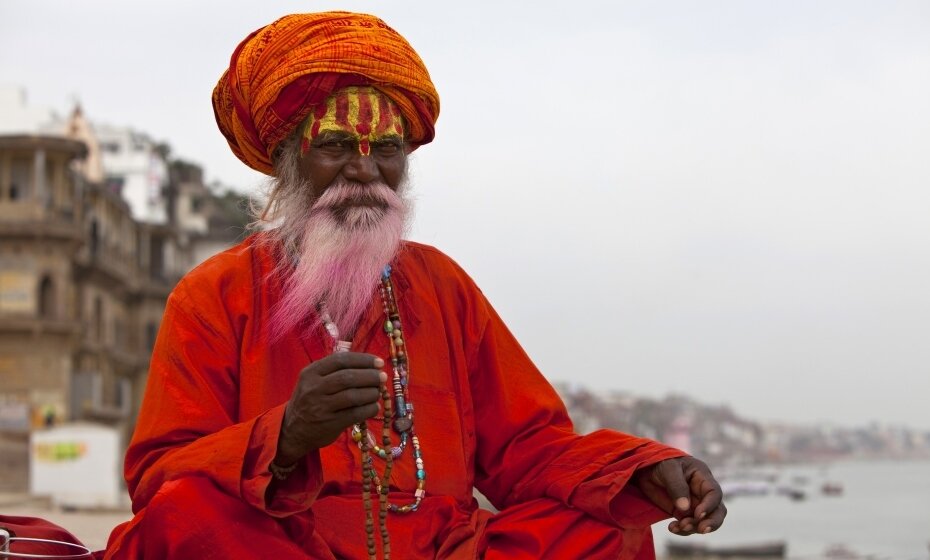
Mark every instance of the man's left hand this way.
pixel 685 488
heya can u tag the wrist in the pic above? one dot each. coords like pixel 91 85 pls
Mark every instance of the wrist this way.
pixel 286 454
pixel 281 472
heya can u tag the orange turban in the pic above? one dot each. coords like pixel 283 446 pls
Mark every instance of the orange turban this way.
pixel 278 73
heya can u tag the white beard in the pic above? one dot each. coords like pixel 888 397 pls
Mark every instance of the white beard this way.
pixel 340 247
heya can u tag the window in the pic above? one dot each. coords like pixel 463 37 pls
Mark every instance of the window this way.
pixel 51 183
pixel 123 394
pixel 20 177
pixel 151 333
pixel 94 238
pixel 156 257
pixel 114 184
pixel 47 298
pixel 98 318
pixel 121 333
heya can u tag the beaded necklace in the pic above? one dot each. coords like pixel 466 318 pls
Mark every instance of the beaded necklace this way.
pixel 398 415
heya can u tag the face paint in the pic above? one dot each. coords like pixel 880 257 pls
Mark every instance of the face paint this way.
pixel 364 113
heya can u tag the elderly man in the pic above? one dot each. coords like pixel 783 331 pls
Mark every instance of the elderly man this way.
pixel 328 390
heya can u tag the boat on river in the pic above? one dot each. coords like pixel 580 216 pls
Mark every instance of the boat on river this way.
pixel 772 549
pixel 832 489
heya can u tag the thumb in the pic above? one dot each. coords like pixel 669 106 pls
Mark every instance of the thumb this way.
pixel 673 479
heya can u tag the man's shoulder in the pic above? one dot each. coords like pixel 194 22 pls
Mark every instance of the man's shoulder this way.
pixel 424 251
pixel 233 268
pixel 422 262
pixel 226 262
pixel 430 259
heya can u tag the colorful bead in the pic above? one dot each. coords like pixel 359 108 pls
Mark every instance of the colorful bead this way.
pixel 402 424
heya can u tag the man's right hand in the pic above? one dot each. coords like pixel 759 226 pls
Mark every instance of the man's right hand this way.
pixel 331 394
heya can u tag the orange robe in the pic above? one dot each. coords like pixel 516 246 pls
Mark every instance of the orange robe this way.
pixel 486 419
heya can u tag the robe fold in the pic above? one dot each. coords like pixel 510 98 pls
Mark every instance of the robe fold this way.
pixel 485 417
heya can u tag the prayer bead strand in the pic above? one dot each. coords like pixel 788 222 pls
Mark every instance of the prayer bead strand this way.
pixel 361 435
pixel 367 478
pixel 389 464
pixel 398 415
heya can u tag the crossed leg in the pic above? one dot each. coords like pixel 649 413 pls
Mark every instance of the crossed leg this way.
pixel 546 529
pixel 192 518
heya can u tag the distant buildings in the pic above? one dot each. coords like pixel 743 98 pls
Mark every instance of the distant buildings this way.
pixel 718 436
pixel 96 227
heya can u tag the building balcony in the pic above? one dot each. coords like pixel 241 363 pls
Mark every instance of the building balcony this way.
pixel 31 325
pixel 89 401
pixel 17 223
pixel 109 268
pixel 127 362
pixel 157 287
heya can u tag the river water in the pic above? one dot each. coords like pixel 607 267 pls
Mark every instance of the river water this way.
pixel 883 513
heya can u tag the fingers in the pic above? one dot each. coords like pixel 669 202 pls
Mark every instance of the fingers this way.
pixel 691 525
pixel 355 397
pixel 333 393
pixel 341 371
pixel 346 360
pixel 343 419
pixel 713 520
pixel 362 413
pixel 678 526
pixel 303 434
pixel 672 477
pixel 340 381
pixel 684 526
pixel 708 493
pixel 706 497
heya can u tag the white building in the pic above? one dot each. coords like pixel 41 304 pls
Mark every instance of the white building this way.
pixel 17 117
pixel 134 166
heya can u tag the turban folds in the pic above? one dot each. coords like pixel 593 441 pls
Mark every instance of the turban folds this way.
pixel 279 72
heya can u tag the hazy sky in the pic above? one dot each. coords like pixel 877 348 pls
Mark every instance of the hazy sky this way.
pixel 729 200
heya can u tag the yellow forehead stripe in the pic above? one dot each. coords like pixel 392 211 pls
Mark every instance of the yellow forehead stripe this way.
pixel 363 112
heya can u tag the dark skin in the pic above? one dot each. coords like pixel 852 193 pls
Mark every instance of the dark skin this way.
pixel 331 395
pixel 686 489
pixel 334 155
pixel 343 389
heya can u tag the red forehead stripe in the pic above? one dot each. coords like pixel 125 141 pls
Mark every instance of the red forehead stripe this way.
pixel 352 110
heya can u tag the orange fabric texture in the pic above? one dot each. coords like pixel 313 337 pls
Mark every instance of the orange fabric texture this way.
pixel 279 72
pixel 486 419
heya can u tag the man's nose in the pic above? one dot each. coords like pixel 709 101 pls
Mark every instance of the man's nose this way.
pixel 361 168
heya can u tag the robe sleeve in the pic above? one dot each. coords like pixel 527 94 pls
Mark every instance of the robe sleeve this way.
pixel 527 447
pixel 189 424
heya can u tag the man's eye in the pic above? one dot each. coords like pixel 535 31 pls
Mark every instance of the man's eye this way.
pixel 387 148
pixel 334 144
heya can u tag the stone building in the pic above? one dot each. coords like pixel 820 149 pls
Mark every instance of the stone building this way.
pixel 83 286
